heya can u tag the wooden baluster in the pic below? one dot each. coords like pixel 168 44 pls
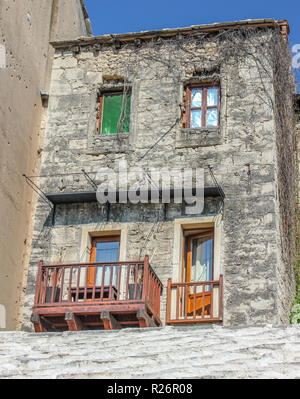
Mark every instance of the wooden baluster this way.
pixel 149 296
pixel 153 291
pixel 102 283
pixel 70 284
pixel 211 308
pixel 45 284
pixel 155 296
pixel 127 282
pixel 53 285
pixel 135 280
pixel 38 292
pixel 221 297
pixel 86 283
pixel 203 299
pixel 78 283
pixel 186 291
pixel 119 281
pixel 110 283
pixel 177 301
pixel 62 284
pixel 158 297
pixel 168 315
pixel 194 307
pixel 145 278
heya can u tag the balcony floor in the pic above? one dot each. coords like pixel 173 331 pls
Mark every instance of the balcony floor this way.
pixel 93 317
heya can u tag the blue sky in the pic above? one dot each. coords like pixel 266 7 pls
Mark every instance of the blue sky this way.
pixel 121 16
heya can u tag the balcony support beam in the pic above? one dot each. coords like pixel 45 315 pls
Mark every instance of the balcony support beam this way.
pixel 40 323
pixel 37 323
pixel 144 319
pixel 109 321
pixel 74 323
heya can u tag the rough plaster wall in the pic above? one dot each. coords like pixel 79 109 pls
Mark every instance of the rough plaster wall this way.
pixel 186 352
pixel 241 152
pixel 22 23
pixel 71 22
pixel 25 31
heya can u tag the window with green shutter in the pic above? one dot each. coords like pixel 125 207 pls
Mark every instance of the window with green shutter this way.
pixel 113 113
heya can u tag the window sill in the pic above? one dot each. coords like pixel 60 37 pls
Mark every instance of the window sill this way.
pixel 109 143
pixel 199 137
pixel 111 136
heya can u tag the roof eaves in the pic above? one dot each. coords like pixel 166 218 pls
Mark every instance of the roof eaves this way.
pixel 169 32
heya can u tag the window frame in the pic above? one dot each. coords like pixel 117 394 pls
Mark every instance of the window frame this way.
pixel 187 251
pixel 99 115
pixel 204 107
pixel 94 240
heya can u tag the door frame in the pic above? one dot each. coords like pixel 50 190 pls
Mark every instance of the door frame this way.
pixel 202 299
pixel 188 257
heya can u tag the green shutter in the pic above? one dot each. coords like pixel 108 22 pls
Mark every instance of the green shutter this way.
pixel 112 106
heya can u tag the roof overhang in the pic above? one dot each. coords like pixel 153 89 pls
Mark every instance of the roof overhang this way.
pixel 171 32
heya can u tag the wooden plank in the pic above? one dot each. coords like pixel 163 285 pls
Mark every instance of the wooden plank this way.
pixel 221 298
pixel 144 319
pixel 109 321
pixel 74 323
pixel 168 311
pixel 194 321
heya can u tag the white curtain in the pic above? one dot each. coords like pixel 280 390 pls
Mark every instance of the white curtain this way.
pixel 107 252
pixel 201 267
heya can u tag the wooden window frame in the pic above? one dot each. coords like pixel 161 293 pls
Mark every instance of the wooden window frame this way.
pixel 100 98
pixel 187 253
pixel 115 238
pixel 204 108
pixel 92 270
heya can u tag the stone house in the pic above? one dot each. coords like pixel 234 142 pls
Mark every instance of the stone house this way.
pixel 206 98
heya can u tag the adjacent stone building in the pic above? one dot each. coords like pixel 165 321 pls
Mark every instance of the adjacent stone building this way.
pixel 214 98
pixel 26 28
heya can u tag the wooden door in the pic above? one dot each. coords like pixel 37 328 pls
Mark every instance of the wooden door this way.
pixel 104 249
pixel 199 268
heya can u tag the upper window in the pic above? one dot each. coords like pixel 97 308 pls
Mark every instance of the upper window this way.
pixel 113 113
pixel 202 106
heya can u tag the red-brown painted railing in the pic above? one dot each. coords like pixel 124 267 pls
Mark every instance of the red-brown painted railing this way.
pixel 153 288
pixel 194 302
pixel 95 283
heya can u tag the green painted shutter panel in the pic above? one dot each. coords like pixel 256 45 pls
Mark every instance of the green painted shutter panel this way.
pixel 111 114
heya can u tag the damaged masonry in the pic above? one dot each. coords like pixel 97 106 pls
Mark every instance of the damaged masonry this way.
pixel 213 97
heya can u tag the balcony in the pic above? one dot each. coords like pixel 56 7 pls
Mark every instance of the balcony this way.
pixel 195 302
pixel 96 296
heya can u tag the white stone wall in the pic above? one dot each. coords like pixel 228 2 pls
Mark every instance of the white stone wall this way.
pixel 168 352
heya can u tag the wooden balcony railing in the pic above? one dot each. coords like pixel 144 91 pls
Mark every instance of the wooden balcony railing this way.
pixel 195 302
pixel 120 288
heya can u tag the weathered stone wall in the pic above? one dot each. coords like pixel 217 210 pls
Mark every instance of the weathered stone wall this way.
pixel 169 352
pixel 242 152
pixel 286 177
pixel 26 27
